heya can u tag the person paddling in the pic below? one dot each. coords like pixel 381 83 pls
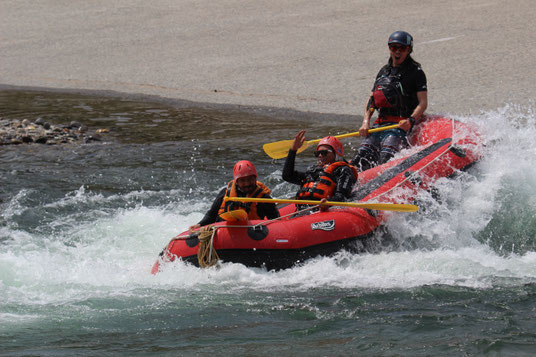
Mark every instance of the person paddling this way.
pixel 244 184
pixel 331 178
pixel 400 95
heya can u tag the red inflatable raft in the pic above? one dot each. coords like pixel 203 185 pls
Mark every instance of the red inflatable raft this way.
pixel 439 148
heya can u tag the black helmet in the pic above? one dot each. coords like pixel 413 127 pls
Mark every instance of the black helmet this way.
pixel 402 38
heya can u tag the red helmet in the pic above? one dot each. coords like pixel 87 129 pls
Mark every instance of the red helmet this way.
pixel 244 168
pixel 333 142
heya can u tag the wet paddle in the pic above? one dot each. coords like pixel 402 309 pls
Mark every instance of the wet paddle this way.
pixel 234 216
pixel 279 149
pixel 377 206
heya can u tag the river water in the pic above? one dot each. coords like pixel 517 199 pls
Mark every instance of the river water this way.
pixel 81 226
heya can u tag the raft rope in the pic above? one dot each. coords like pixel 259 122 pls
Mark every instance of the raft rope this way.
pixel 415 173
pixel 207 256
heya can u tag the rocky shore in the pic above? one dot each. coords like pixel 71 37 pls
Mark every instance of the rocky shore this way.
pixel 16 132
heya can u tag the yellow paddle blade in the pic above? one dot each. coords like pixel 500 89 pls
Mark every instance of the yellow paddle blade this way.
pixel 377 206
pixel 234 216
pixel 279 149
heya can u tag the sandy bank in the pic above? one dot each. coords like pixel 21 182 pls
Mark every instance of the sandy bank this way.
pixel 306 55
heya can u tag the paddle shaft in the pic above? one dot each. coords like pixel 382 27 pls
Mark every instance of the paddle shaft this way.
pixel 356 133
pixel 375 206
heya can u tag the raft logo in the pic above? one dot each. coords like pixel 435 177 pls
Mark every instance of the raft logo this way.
pixel 325 226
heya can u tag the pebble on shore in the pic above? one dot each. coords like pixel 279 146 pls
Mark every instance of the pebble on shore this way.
pixel 15 132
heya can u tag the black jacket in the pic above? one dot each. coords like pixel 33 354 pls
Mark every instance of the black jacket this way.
pixel 344 177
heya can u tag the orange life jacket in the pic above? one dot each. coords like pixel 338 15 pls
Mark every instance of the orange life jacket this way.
pixel 250 207
pixel 326 184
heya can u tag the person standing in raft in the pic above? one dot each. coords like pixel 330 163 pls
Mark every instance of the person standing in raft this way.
pixel 400 96
pixel 331 178
pixel 244 184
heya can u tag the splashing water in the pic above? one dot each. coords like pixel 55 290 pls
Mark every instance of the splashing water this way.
pixel 485 215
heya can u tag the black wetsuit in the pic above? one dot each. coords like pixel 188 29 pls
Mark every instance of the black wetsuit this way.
pixel 264 210
pixel 344 177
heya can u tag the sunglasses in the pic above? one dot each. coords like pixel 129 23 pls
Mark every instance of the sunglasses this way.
pixel 397 47
pixel 322 152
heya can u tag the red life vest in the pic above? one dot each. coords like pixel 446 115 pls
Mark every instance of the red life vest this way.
pixel 387 92
pixel 389 119
pixel 251 207
pixel 326 184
